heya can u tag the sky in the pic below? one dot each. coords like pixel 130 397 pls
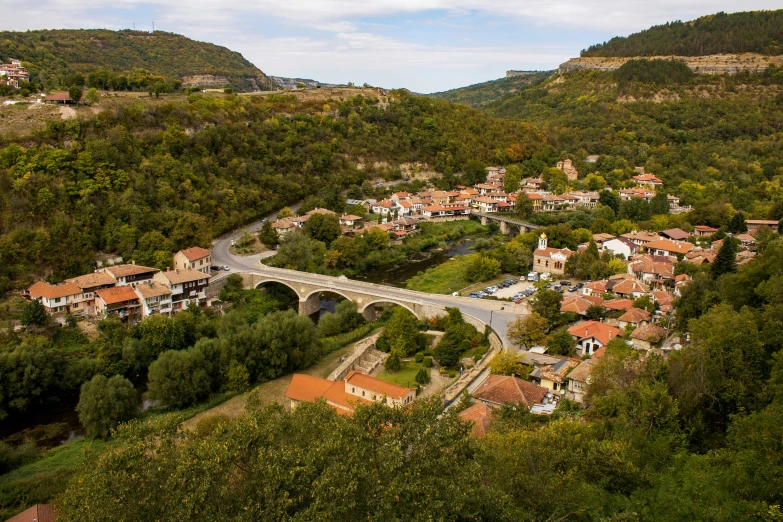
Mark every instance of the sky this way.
pixel 422 45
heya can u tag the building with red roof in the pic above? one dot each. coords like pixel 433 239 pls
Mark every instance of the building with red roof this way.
pixel 480 415
pixel 592 335
pixel 194 258
pixel 498 390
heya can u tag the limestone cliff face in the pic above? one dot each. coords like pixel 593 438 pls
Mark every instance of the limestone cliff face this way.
pixel 249 83
pixel 711 64
pixel 204 80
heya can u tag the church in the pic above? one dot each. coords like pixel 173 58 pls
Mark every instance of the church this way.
pixel 550 260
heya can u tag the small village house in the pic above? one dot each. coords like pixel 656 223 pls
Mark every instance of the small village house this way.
pixel 592 335
pixel 56 299
pixel 120 301
pixel 194 258
pixel 155 298
pixel 480 415
pixel 553 376
pixel 186 287
pixel 648 336
pixel 130 274
pixel 498 390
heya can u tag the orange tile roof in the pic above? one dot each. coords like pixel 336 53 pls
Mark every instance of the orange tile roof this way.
pixel 618 304
pixel 37 513
pixel 579 303
pixel 44 289
pixel 92 280
pixel 629 286
pixel 649 332
pixel 600 331
pixel 117 294
pixel 503 389
pixel 128 270
pixel 307 388
pixel 480 415
pixel 195 253
pixel 677 247
pixel 152 289
pixel 183 275
pixel 377 385
pixel 635 315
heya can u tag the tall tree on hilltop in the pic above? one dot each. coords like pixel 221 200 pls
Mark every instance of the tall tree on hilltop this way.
pixel 725 261
pixel 737 224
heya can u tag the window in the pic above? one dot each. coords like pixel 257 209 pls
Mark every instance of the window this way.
pixel 353 390
pixel 56 299
pixel 362 393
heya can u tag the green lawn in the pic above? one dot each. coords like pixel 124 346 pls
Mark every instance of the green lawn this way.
pixel 405 376
pixel 445 278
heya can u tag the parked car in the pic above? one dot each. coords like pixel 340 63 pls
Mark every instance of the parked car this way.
pixel 532 276
pixel 225 267
pixel 406 179
pixel 511 280
pixel 215 268
pixel 565 283
pixel 580 286
pixel 546 276
pixel 548 285
pixel 474 295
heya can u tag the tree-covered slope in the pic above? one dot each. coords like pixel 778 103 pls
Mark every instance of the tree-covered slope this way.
pixel 53 56
pixel 480 94
pixel 747 32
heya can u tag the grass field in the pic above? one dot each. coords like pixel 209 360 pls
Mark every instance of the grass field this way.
pixel 445 278
pixel 405 376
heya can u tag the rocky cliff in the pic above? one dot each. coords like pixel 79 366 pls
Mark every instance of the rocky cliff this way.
pixel 711 64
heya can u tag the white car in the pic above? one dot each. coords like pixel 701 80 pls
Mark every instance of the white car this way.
pixel 532 276
pixel 546 276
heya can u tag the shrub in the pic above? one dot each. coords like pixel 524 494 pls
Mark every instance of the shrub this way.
pixel 419 357
pixel 423 376
pixel 427 362
pixel 427 353
pixel 452 374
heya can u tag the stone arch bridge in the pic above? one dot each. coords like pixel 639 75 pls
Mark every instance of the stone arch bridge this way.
pixel 507 224
pixel 308 288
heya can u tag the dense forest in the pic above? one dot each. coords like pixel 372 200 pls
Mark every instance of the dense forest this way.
pixel 54 58
pixel 150 178
pixel 745 32
pixel 483 93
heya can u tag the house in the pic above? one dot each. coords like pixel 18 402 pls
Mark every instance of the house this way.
pixel 366 203
pixel 401 196
pixel 551 260
pixel 629 194
pixel 553 376
pixel 537 200
pixel 592 335
pixel 648 336
pixel 130 274
pixel 602 238
pixel 584 199
pixel 485 204
pixel 319 210
pixel 405 225
pixel 630 288
pixel 680 282
pixel 655 270
pixel 384 207
pixel 194 258
pixel 746 240
pixel 551 202
pixel 665 247
pixel 155 298
pixel 620 246
pixel 351 221
pixel 704 230
pixel 89 284
pixel 186 287
pixel 675 234
pixel 664 299
pixel 642 237
pixel 56 299
pixel 757 224
pixel 615 305
pixel 37 513
pixel 596 288
pixel 344 395
pixel 498 390
pixel 445 211
pixel 480 415
pixel 578 380
pixel 699 256
pixel 567 166
pixel 674 204
pixel 284 226
pixel 579 304
pixel 648 180
pixel 62 98
pixel 635 317
pixel 121 301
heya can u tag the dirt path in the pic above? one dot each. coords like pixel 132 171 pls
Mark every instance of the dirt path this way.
pixel 272 391
pixel 67 113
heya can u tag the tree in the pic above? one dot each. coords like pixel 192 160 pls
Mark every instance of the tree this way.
pixel 299 252
pixel 75 93
pixel 33 314
pixel 660 203
pixel 179 378
pixel 481 268
pixel 726 260
pixel 104 403
pixel 527 331
pixel 268 235
pixel 92 96
pixel 506 362
pixel 546 303
pixel 512 179
pixel 423 376
pixel 523 207
pixel 237 378
pixel 233 289
pixel 595 313
pixel 402 332
pixel 323 227
pixel 737 224
pixel 160 333
pixel 560 343
pixel 609 199
pixel 347 251
pixel 284 213
pixel 392 362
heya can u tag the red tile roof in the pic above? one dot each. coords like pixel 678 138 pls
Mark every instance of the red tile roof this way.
pixel 618 304
pixel 377 385
pixel 480 415
pixel 195 253
pixel 502 389
pixel 600 331
pixel 44 289
pixel 37 513
pixel 128 270
pixel 635 315
pixel 117 294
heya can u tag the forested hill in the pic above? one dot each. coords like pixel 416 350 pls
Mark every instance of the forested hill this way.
pixel 480 94
pixel 747 32
pixel 54 56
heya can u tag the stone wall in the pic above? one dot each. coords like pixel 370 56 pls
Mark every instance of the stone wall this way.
pixel 363 350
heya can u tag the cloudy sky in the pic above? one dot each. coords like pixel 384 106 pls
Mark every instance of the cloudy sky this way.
pixel 423 45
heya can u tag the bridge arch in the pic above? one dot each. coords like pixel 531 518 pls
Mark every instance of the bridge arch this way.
pixel 368 309
pixel 258 284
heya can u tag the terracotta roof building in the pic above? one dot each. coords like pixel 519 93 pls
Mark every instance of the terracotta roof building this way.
pixel 665 247
pixel 55 298
pixel 37 513
pixel 550 260
pixel 121 301
pixel 194 258
pixel 130 274
pixel 647 336
pixel 579 304
pixel 635 317
pixel 497 390
pixel 481 416
pixel 553 376
pixel 592 335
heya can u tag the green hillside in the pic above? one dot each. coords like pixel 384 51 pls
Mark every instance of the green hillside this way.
pixel 54 56
pixel 748 32
pixel 481 94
